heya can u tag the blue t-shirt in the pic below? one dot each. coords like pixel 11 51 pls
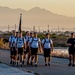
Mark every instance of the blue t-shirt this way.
pixel 20 42
pixel 34 42
pixel 27 38
pixel 12 40
pixel 47 43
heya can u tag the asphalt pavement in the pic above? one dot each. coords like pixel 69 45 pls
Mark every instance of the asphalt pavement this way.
pixel 59 66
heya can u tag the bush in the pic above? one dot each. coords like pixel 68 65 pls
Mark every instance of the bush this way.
pixel 3 45
pixel 53 36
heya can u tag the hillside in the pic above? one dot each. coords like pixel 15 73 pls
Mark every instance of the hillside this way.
pixel 34 17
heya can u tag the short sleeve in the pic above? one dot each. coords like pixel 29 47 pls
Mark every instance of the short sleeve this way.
pixel 51 41
pixel 30 40
pixel 39 40
pixel 24 40
pixel 43 41
pixel 10 39
pixel 16 40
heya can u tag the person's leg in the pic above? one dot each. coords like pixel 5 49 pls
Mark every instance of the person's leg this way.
pixel 13 60
pixel 45 61
pixel 21 56
pixel 73 59
pixel 24 58
pixel 14 56
pixel 49 57
pixel 36 56
pixel 45 58
pixel 17 57
pixel 32 59
pixel 70 59
pixel 10 55
pixel 21 59
pixel 32 56
pixel 36 60
pixel 70 56
pixel 28 61
pixel 27 53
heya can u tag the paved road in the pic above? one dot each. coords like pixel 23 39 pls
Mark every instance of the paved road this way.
pixel 58 65
pixel 7 70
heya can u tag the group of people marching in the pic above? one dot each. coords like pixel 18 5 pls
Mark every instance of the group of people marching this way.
pixel 25 48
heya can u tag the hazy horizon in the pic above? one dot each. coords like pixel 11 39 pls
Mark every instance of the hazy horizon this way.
pixel 61 7
pixel 34 17
pixel 56 13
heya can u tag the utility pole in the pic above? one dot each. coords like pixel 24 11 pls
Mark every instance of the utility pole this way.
pixel 58 28
pixel 74 29
pixel 48 28
pixel 34 28
pixel 62 29
pixel 39 28
pixel 15 27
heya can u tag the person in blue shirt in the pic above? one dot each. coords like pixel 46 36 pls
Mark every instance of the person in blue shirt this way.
pixel 34 45
pixel 47 46
pixel 12 48
pixel 27 52
pixel 31 37
pixel 20 45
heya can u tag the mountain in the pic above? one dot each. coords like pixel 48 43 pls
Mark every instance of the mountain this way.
pixel 34 17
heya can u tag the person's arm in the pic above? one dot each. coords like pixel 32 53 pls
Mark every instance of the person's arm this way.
pixel 30 43
pixel 9 42
pixel 24 45
pixel 16 45
pixel 51 45
pixel 39 43
pixel 68 43
pixel 43 44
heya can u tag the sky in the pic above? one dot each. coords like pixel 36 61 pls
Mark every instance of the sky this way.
pixel 62 7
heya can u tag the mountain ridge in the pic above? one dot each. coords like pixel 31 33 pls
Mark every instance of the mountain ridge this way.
pixel 34 17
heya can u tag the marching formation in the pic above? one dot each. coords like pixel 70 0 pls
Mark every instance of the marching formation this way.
pixel 25 48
